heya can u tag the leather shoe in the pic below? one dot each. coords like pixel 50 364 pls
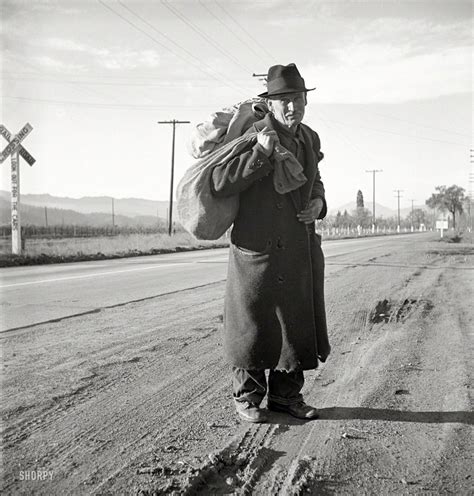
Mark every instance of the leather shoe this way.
pixel 299 410
pixel 250 412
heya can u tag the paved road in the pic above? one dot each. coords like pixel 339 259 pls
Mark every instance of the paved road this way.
pixel 38 294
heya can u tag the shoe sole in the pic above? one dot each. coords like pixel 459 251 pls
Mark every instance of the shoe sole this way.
pixel 284 410
pixel 253 420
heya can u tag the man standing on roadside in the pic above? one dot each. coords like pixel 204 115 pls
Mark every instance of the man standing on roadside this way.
pixel 274 306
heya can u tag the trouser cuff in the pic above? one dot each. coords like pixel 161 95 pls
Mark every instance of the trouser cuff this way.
pixel 253 398
pixel 280 400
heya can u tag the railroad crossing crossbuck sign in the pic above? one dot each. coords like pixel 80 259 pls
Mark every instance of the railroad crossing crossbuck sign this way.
pixel 15 149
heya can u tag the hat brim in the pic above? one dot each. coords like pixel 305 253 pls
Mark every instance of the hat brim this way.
pixel 286 92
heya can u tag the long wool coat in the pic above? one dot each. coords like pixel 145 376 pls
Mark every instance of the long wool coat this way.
pixel 274 314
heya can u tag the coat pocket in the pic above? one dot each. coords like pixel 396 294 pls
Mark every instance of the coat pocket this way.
pixel 245 252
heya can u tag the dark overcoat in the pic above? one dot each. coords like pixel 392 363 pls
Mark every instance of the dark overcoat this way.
pixel 274 314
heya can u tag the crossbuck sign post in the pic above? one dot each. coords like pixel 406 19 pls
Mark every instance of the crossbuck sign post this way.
pixel 14 149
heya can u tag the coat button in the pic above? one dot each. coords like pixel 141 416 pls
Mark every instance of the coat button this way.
pixel 279 244
pixel 280 279
pixel 279 205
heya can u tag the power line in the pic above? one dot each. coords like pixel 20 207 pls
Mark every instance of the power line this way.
pixel 262 47
pixel 397 134
pixel 421 125
pixel 82 89
pixel 198 66
pixel 200 61
pixel 229 28
pixel 203 35
pixel 345 138
pixel 104 105
pixel 170 84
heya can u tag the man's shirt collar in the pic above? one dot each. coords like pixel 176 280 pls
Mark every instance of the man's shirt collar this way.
pixel 280 128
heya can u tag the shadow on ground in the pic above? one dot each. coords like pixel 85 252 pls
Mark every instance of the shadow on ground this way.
pixel 359 413
pixel 347 413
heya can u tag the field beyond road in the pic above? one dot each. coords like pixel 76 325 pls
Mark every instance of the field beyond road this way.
pixel 135 397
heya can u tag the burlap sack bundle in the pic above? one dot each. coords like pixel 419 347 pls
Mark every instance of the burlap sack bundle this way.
pixel 200 212
pixel 204 215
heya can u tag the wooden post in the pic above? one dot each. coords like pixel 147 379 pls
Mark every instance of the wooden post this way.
pixel 170 221
pixel 15 203
pixel 170 213
pixel 14 149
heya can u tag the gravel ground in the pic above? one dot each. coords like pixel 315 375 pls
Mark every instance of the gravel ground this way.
pixel 136 399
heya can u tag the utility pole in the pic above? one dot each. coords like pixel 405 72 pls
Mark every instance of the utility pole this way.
pixel 412 221
pixel 46 216
pixel 174 122
pixel 398 191
pixel 471 189
pixel 113 215
pixel 373 171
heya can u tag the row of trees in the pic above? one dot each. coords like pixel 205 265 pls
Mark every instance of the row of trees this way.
pixel 446 199
pixel 82 231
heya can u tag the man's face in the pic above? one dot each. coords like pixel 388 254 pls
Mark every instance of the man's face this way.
pixel 288 109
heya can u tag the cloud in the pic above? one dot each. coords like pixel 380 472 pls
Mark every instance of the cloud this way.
pixel 415 35
pixel 26 8
pixel 115 58
pixel 394 60
pixel 364 75
pixel 64 44
pixel 130 59
pixel 58 65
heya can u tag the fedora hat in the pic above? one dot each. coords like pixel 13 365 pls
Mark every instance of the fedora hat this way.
pixel 283 79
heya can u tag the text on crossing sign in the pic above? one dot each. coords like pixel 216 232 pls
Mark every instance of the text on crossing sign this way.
pixel 15 143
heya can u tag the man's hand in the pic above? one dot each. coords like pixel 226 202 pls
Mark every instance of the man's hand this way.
pixel 267 139
pixel 311 213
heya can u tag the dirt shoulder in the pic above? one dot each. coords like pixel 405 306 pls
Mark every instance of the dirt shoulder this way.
pixel 137 399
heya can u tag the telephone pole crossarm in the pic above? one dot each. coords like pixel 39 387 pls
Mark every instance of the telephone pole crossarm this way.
pixel 173 122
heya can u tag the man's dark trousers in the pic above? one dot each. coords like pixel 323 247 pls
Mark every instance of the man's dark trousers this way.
pixel 284 388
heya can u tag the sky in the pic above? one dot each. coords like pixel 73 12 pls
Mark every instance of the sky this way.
pixel 93 77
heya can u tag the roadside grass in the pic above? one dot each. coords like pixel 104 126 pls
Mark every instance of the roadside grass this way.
pixel 60 250
pixel 41 251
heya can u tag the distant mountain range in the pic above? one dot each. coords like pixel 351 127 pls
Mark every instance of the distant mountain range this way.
pixel 91 211
pixel 96 204
pixel 97 210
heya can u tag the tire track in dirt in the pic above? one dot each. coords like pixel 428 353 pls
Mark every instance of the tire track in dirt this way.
pixel 306 473
pixel 303 472
pixel 146 397
pixel 219 478
pixel 105 379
